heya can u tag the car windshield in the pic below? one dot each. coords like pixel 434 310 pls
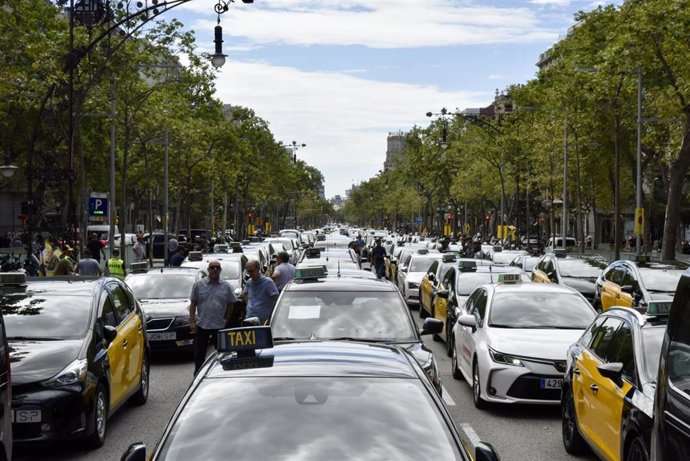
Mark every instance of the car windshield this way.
pixel 421 264
pixel 46 316
pixel 303 411
pixel 380 316
pixel 580 268
pixel 651 348
pixel 468 281
pixel 660 279
pixel 530 263
pixel 541 310
pixel 161 286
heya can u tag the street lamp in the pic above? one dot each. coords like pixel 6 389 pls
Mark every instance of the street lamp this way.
pixel 218 58
pixel 7 169
pixel 294 146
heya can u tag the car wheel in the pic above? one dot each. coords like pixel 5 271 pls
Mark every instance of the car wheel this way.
pixel 100 418
pixel 479 403
pixel 572 439
pixel 637 451
pixel 454 366
pixel 142 395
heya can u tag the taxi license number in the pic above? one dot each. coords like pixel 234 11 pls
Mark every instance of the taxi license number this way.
pixel 161 336
pixel 550 383
pixel 26 416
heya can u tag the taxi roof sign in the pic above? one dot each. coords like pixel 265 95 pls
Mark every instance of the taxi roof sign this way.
pixel 498 248
pixel 509 278
pixel 314 252
pixel 449 258
pixel 195 256
pixel 467 266
pixel 12 278
pixel 559 252
pixel 659 308
pixel 245 339
pixel 139 267
pixel 310 273
pixel 423 251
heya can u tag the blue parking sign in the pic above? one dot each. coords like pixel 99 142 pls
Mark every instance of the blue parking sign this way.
pixel 419 220
pixel 98 206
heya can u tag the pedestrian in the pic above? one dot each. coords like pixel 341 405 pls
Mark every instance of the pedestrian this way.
pixel 360 244
pixel 211 306
pixel 284 271
pixel 95 247
pixel 172 248
pixel 64 267
pixel 115 266
pixel 87 266
pixel 138 250
pixel 260 293
pixel 178 257
pixel 378 256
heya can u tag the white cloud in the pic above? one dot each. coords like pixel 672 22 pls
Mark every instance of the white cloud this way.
pixel 343 119
pixel 379 24
pixel 552 2
pixel 496 77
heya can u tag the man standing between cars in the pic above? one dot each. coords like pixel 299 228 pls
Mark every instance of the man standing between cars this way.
pixel 211 305
pixel 284 272
pixel 178 258
pixel 172 248
pixel 87 266
pixel 95 247
pixel 378 255
pixel 138 249
pixel 261 293
pixel 115 266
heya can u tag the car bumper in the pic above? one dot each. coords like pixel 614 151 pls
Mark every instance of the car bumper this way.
pixel 65 413
pixel 412 296
pixel 532 384
pixel 170 338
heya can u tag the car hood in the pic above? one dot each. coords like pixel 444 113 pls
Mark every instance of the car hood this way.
pixel 165 307
pixel 549 344
pixel 415 277
pixel 661 297
pixel 586 286
pixel 33 361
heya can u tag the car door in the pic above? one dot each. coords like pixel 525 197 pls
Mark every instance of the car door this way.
pixel 539 271
pixel 402 273
pixel 611 288
pixel 586 389
pixel 426 288
pixel 441 305
pixel 610 396
pixel 630 280
pixel 476 306
pixel 116 351
pixel 129 331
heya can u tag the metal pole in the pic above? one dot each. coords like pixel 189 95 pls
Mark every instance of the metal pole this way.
pixel 564 225
pixel 165 195
pixel 111 205
pixel 465 223
pixel 213 221
pixel 638 237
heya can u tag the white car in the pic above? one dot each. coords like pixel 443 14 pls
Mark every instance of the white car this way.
pixel 510 341
pixel 410 274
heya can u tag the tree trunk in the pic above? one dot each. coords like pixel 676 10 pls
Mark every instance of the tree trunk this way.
pixel 679 168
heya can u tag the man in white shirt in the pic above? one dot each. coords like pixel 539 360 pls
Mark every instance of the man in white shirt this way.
pixel 284 272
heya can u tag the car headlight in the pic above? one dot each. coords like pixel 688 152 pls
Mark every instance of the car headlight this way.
pixel 506 359
pixel 412 285
pixel 73 373
pixel 181 321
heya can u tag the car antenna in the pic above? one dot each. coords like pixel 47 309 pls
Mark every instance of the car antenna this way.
pixel 491 274
pixel 338 268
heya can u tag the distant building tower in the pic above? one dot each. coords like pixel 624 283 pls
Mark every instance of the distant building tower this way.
pixel 394 153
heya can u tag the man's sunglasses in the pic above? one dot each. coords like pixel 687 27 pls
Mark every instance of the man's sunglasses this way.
pixel 213 267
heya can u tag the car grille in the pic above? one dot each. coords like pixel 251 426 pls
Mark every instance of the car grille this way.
pixel 26 431
pixel 527 387
pixel 159 324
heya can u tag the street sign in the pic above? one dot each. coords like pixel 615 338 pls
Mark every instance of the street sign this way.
pixel 418 221
pixel 98 206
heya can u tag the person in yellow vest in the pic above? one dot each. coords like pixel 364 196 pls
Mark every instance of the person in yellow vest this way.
pixel 115 267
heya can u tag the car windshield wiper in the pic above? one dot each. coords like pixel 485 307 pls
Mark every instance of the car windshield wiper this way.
pixel 350 338
pixel 32 338
pixel 498 325
pixel 286 338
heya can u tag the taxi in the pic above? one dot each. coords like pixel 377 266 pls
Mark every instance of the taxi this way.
pixel 511 338
pixel 431 280
pixel 326 400
pixel 526 262
pixel 232 265
pixel 644 285
pixel 576 271
pixel 607 402
pixel 410 273
pixel 79 352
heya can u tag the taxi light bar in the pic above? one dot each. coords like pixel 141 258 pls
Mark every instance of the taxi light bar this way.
pixel 312 253
pixel 311 273
pixel 423 251
pixel 509 278
pixel 659 308
pixel 468 266
pixel 559 252
pixel 498 248
pixel 12 278
pixel 139 267
pixel 221 248
pixel 449 258
pixel 245 340
pixel 195 256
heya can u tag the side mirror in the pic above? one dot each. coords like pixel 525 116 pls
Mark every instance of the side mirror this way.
pixel 252 322
pixel 443 294
pixel 135 452
pixel 628 289
pixel 110 333
pixel 485 452
pixel 431 326
pixel 468 321
pixel 612 371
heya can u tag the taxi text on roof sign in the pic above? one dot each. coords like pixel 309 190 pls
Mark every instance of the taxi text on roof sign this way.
pixel 509 278
pixel 310 273
pixel 245 339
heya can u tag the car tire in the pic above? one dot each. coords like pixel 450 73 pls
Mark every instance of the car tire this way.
pixel 100 418
pixel 142 394
pixel 479 403
pixel 637 451
pixel 454 366
pixel 573 442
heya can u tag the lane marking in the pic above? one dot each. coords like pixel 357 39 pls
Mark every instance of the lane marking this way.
pixel 446 397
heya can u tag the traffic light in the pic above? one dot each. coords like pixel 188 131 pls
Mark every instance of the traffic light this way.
pixel 487 218
pixel 250 216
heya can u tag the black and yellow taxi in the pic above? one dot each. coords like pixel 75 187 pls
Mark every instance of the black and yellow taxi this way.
pixel 334 400
pixel 607 401
pixel 579 272
pixel 427 288
pixel 641 285
pixel 79 352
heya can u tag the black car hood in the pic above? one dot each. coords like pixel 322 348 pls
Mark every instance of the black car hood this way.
pixel 586 287
pixel 33 361
pixel 165 307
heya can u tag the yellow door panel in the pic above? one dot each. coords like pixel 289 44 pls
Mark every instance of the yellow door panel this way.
pixel 425 290
pixel 606 415
pixel 540 277
pixel 611 295
pixel 135 349
pixel 582 394
pixel 440 309
pixel 117 357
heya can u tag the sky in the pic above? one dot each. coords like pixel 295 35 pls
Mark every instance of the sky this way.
pixel 340 75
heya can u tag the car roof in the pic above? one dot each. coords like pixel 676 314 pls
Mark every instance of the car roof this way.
pixel 341 284
pixel 323 359
pixel 167 270
pixel 530 288
pixel 634 316
pixel 68 284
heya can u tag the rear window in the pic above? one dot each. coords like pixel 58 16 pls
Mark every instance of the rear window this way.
pixel 310 419
pixel 45 316
pixel 421 264
pixel 580 268
pixel 540 310
pixel 468 281
pixel 660 279
pixel 170 286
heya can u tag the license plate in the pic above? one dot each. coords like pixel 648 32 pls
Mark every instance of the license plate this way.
pixel 26 416
pixel 549 383
pixel 184 342
pixel 161 336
